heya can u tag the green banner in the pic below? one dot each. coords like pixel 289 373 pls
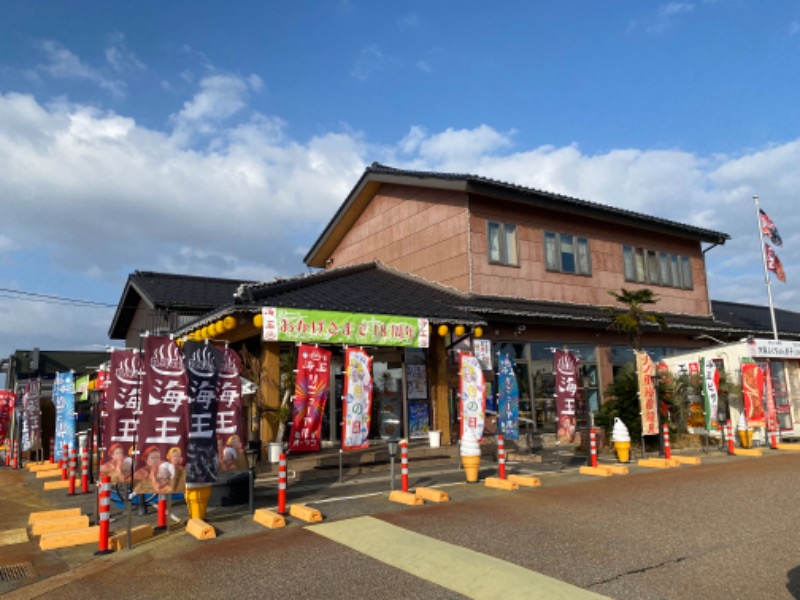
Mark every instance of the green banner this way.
pixel 82 388
pixel 329 327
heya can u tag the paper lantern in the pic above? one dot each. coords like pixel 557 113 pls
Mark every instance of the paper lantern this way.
pixel 204 333
pixel 443 330
pixel 477 332
pixel 228 323
pixel 219 327
pixel 460 330
pixel 258 320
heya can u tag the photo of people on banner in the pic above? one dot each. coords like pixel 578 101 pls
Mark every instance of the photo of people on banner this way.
pixel 312 386
pixel 357 399
pixel 565 365
pixel 472 395
pixel 189 411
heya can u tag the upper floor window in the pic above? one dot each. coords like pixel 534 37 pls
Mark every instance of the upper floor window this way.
pixel 503 244
pixel 567 253
pixel 659 268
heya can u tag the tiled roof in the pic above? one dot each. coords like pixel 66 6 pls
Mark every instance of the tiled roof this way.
pixel 756 320
pixel 378 289
pixel 365 288
pixel 169 291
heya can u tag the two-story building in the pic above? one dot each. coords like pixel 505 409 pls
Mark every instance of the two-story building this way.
pixel 530 271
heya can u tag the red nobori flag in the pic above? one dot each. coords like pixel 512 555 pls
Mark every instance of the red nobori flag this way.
pixel 121 415
pixel 774 263
pixel 310 396
pixel 357 399
pixel 163 423
pixel 768 228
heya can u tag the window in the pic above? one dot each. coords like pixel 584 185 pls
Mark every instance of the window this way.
pixel 660 268
pixel 503 244
pixel 566 253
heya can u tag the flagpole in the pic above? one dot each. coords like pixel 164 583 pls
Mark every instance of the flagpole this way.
pixel 766 270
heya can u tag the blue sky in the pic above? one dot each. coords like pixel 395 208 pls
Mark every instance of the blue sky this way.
pixel 219 138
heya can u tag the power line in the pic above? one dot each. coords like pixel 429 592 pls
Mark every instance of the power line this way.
pixel 51 299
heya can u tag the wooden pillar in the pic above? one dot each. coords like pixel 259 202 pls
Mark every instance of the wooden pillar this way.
pixel 269 389
pixel 437 375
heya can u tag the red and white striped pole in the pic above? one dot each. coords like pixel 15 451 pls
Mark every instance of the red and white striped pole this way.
pixel 729 437
pixel 73 465
pixel 84 470
pixel 282 485
pixel 9 445
pixel 52 450
pixel 64 462
pixel 501 457
pixel 16 454
pixel 593 446
pixel 162 512
pixel 667 447
pixel 404 465
pixel 773 434
pixel 104 513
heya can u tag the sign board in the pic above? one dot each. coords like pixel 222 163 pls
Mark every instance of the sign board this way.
pixel 331 327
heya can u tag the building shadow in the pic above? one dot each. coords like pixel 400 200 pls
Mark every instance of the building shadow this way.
pixel 793 583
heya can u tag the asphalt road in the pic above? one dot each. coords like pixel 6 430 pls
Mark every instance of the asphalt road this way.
pixel 725 529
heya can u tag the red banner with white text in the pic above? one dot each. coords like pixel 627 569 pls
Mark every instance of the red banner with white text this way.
pixel 312 386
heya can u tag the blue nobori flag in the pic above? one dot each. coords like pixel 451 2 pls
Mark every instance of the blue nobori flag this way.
pixel 508 398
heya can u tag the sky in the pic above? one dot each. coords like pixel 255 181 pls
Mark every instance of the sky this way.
pixel 218 139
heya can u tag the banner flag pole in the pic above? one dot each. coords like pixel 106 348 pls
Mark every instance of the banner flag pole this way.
pixel 766 270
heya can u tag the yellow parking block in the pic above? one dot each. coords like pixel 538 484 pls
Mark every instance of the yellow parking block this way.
pixel 47 515
pixel 138 534
pixel 405 498
pixel 48 474
pixel 74 537
pixel 525 480
pixel 596 471
pixel 785 446
pixel 657 463
pixel 688 460
pixel 305 513
pixel 616 469
pixel 43 466
pixel 747 452
pixel 63 524
pixel 56 485
pixel 269 519
pixel 432 495
pixel 500 484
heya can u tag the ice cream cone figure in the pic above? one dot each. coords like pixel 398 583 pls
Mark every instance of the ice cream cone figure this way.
pixel 470 455
pixel 197 501
pixel 745 433
pixel 622 440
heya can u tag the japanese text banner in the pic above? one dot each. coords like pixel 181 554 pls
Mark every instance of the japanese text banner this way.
pixel 330 327
pixel 163 422
pixel 566 376
pixel 472 394
pixel 310 397
pixel 357 399
pixel 645 370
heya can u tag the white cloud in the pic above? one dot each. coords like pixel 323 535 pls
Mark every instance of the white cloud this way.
pixel 409 22
pixel 100 195
pixel 64 64
pixel 370 60
pixel 120 57
pixel 662 18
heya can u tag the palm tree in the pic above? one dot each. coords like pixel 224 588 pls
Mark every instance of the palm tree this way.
pixel 631 320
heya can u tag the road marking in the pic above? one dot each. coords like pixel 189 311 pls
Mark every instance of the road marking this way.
pixel 467 572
